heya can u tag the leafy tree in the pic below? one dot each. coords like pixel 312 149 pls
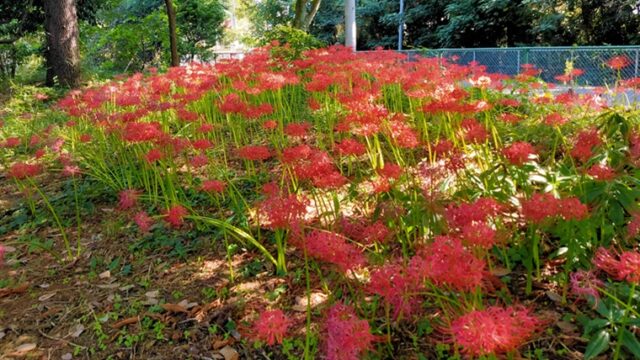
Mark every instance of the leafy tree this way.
pixel 200 23
pixel 485 23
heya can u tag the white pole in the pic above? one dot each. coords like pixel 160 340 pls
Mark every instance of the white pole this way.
pixel 350 24
pixel 401 25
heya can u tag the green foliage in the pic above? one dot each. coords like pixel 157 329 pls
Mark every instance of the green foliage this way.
pixel 265 15
pixel 131 45
pixel 296 41
pixel 200 27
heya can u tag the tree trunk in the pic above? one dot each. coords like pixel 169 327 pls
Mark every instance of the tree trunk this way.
pixel 173 38
pixel 298 19
pixel 63 57
pixel 315 6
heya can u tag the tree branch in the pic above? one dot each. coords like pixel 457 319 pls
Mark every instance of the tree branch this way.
pixel 315 5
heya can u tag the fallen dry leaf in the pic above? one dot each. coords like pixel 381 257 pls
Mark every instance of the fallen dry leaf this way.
pixel 14 290
pixel 46 297
pixel 229 353
pixel 175 308
pixel 76 330
pixel 125 322
pixel 23 349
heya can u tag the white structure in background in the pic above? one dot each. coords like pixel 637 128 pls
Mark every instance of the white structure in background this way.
pixel 234 49
pixel 350 24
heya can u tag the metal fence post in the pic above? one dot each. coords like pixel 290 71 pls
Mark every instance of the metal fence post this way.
pixel 518 65
pixel 474 55
pixel 636 71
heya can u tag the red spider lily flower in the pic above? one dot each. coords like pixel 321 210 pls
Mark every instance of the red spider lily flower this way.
pixel 586 283
pixel 187 116
pixel 11 142
pixel 254 152
pixel 601 172
pixel 205 128
pixel 3 250
pixel 334 249
pixel 128 199
pixel 555 119
pixel 586 141
pixel 478 234
pixel 391 171
pixel 446 262
pixel 443 147
pixel 331 180
pixel 297 130
pixel 293 154
pixel 199 161
pixel 175 215
pixel 269 125
pixel 633 228
pixel 392 283
pixel 202 144
pixel 85 138
pixel 35 140
pixel 404 136
pixel 153 155
pixel 474 131
pixel 618 62
pixel 519 152
pixel 466 213
pixel 495 330
pixel 541 207
pixel 271 327
pixel 143 221
pixel 213 186
pixel 39 153
pixel 347 335
pixel 70 170
pixel 364 232
pixel 23 170
pixel 142 131
pixel 351 147
pixel 622 267
pixel 509 102
pixel 282 212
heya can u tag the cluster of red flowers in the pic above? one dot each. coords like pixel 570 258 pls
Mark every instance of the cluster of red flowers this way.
pixel 586 141
pixel 347 335
pixel 128 199
pixel 586 283
pixel 175 215
pixel 618 62
pixel 23 170
pixel 351 147
pixel 365 232
pixel 254 152
pixel 271 327
pixel 213 186
pixel 519 152
pixel 282 211
pixel 447 263
pixel 624 266
pixel 494 330
pixel 541 207
pixel 315 165
pixel 601 172
pixel 397 287
pixel 334 249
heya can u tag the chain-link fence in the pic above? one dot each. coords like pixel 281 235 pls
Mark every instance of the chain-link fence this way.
pixel 552 61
